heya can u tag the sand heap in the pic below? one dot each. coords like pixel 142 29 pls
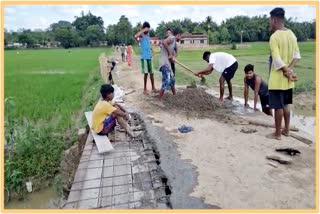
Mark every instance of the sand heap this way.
pixel 191 99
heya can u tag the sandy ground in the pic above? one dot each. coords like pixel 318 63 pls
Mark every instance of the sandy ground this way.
pixel 232 168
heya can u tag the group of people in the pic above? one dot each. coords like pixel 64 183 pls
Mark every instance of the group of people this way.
pixel 126 53
pixel 276 94
pixel 168 51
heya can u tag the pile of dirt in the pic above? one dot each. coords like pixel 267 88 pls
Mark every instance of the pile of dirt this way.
pixel 191 99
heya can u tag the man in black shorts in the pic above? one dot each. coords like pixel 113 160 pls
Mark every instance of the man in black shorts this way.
pixel 260 88
pixel 224 63
pixel 285 54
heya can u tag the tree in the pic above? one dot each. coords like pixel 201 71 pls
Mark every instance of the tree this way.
pixel 64 36
pixel 87 29
pixel 152 33
pixel 94 34
pixel 84 21
pixel 175 25
pixel 124 30
pixel 82 26
pixel 25 37
pixel 137 28
pixel 161 30
pixel 111 35
pixel 214 37
pixel 312 30
pixel 224 36
pixel 199 29
pixel 7 37
pixel 187 25
pixel 53 27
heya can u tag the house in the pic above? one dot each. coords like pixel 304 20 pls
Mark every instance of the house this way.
pixel 16 45
pixel 193 39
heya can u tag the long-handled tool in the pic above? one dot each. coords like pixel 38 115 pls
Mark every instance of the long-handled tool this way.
pixel 203 80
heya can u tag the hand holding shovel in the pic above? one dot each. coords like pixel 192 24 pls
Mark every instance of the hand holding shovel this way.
pixel 203 80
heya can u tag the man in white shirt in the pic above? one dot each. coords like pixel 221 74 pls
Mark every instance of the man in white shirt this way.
pixel 224 63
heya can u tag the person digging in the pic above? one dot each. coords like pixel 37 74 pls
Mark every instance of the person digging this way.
pixel 224 63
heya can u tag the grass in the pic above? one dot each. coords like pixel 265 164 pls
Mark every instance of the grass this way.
pixel 47 84
pixel 257 54
pixel 49 88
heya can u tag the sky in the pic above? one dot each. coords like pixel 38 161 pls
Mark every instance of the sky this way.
pixel 41 16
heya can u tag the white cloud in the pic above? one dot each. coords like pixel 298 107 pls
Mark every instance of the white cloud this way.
pixel 9 10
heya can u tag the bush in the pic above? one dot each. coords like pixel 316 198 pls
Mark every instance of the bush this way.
pixel 233 46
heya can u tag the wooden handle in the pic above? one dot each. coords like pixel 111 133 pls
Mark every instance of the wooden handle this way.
pixel 184 66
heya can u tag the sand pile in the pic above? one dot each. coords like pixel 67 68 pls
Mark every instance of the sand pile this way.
pixel 191 99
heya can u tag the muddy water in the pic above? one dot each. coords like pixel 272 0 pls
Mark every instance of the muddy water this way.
pixel 305 123
pixel 43 199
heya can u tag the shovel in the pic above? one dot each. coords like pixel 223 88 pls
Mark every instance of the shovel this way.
pixel 203 80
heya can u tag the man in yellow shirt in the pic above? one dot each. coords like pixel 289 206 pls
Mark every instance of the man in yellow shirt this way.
pixel 285 54
pixel 105 113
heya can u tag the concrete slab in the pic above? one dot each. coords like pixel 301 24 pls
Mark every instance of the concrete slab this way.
pixel 107 191
pixel 122 161
pixel 108 162
pixel 93 173
pixel 120 199
pixel 125 178
pixel 107 182
pixel 123 189
pixel 96 183
pixel 122 180
pixel 108 171
pixel 106 202
pixel 95 164
pixel 122 170
pixel 89 193
pixel 88 204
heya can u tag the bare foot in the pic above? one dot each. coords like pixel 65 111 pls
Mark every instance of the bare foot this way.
pixel 273 136
pixel 220 102
pixel 285 132
pixel 145 92
pixel 229 98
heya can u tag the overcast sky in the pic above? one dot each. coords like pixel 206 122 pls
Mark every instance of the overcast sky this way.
pixel 40 17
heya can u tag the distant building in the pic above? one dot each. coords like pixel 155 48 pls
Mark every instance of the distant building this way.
pixel 194 39
pixel 154 40
pixel 16 45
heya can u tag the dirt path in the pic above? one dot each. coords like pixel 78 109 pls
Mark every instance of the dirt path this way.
pixel 232 168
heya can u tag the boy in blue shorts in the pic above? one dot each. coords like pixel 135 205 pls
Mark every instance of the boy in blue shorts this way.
pixel 105 113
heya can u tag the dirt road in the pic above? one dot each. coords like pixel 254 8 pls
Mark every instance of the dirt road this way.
pixel 230 161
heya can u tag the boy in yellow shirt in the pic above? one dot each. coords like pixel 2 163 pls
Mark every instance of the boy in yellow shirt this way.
pixel 285 54
pixel 105 113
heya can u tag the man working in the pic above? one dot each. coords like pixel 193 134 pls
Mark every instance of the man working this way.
pixel 260 88
pixel 224 63
pixel 285 54
pixel 175 51
pixel 166 58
